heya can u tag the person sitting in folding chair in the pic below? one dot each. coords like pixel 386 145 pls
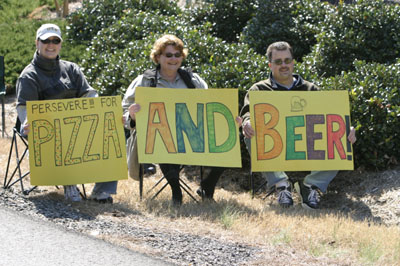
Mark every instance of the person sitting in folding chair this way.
pixel 48 78
pixel 168 53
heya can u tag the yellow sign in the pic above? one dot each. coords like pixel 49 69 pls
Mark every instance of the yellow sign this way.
pixel 76 141
pixel 300 131
pixel 188 126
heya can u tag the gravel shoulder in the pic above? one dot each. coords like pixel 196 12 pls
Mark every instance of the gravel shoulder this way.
pixel 27 241
pixel 361 195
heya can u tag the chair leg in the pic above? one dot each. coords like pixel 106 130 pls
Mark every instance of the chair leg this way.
pixel 158 192
pixel 26 192
pixel 156 184
pixel 83 195
pixel 253 189
pixel 5 185
pixel 182 184
pixel 8 180
pixel 141 174
pixel 188 192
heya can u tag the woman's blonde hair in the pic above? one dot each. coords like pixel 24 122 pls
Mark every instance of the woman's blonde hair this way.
pixel 160 45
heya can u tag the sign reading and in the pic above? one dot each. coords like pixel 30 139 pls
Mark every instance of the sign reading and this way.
pixel 188 126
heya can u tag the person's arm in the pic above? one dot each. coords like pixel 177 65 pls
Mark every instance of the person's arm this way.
pixel 247 128
pixel 130 108
pixel 27 90
pixel 198 82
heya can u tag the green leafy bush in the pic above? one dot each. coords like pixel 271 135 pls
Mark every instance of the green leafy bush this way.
pixel 228 17
pixel 125 46
pixel 221 64
pixel 366 30
pixel 375 111
pixel 294 21
pixel 14 10
pixel 98 14
pixel 17 45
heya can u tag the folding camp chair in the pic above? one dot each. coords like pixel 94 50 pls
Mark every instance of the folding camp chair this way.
pixel 182 183
pixel 17 172
pixel 270 190
pixel 255 189
pixel 17 138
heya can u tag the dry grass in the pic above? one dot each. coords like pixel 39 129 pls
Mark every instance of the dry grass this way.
pixel 236 216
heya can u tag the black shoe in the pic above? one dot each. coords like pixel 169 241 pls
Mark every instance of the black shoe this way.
pixel 101 197
pixel 285 199
pixel 149 169
pixel 200 192
pixel 308 194
pixel 205 196
pixel 104 201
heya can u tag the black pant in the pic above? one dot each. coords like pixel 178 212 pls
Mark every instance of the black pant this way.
pixel 210 181
pixel 171 173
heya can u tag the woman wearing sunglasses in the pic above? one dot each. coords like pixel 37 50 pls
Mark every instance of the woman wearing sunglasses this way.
pixel 48 77
pixel 167 53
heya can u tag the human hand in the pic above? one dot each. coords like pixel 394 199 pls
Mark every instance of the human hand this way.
pixel 133 109
pixel 352 135
pixel 239 120
pixel 26 127
pixel 247 129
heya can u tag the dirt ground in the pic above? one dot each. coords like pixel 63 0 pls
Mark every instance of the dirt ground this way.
pixel 362 195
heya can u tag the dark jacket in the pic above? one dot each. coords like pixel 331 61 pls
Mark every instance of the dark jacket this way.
pixel 270 85
pixel 46 79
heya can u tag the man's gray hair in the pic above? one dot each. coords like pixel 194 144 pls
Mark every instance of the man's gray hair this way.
pixel 279 46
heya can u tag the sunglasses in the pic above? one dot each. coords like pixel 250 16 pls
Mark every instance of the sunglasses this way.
pixel 279 62
pixel 177 55
pixel 54 41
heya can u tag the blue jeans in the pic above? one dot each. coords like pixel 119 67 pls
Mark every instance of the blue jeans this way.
pixel 320 179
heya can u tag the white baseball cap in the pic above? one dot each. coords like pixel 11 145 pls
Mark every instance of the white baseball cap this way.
pixel 48 30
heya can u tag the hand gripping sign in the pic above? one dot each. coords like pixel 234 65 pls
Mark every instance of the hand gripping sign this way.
pixel 188 126
pixel 299 131
pixel 76 141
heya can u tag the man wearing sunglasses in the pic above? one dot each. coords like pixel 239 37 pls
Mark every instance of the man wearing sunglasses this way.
pixel 281 78
pixel 48 77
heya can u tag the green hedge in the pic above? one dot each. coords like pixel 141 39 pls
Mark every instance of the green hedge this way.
pixel 98 14
pixel 375 111
pixel 296 21
pixel 228 17
pixel 112 40
pixel 221 64
pixel 15 10
pixel 367 30
pixel 17 44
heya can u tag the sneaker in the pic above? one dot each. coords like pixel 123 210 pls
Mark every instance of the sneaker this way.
pixel 149 169
pixel 204 195
pixel 101 197
pixel 71 193
pixel 308 194
pixel 285 199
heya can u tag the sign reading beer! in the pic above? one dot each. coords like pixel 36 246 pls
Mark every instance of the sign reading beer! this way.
pixel 76 141
pixel 297 131
pixel 188 126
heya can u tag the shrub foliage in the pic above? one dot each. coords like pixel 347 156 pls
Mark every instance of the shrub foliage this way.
pixel 375 109
pixel 353 47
